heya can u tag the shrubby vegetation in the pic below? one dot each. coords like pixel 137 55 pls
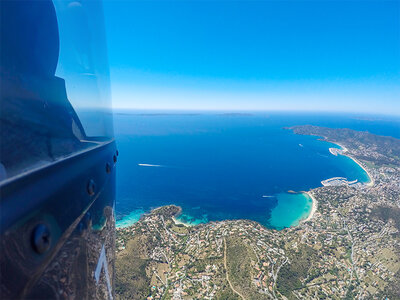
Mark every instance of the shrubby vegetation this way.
pixel 239 258
pixel 385 213
pixel 131 279
pixel 292 274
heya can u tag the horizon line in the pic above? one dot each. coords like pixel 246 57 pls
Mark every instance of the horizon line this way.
pixel 258 111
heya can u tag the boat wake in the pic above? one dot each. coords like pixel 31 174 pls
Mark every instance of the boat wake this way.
pixel 149 165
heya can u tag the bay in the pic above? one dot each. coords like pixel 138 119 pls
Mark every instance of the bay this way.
pixel 220 166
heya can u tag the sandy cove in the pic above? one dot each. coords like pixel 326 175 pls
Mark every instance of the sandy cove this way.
pixel 177 222
pixel 371 179
pixel 313 208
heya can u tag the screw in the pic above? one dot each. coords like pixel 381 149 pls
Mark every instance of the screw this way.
pixel 108 168
pixel 91 187
pixel 41 239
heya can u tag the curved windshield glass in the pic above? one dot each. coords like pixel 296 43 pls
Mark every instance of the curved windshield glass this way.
pixel 83 63
pixel 55 92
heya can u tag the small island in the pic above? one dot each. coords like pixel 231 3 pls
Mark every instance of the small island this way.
pixel 348 247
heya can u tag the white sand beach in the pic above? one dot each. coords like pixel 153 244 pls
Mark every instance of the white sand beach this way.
pixel 177 222
pixel 345 151
pixel 313 208
pixel 371 179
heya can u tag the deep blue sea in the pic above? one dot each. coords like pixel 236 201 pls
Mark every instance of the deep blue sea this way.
pixel 229 166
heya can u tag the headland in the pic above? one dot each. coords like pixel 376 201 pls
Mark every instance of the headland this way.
pixel 349 249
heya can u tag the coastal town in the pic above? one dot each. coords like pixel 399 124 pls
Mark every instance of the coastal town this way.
pixel 347 248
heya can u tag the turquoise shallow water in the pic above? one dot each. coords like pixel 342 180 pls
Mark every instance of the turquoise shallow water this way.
pixel 192 221
pixel 130 218
pixel 290 210
pixel 219 167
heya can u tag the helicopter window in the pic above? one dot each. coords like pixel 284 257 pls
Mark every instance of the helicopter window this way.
pixel 83 64
pixel 55 92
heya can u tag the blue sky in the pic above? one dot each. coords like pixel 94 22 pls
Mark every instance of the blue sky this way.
pixel 255 55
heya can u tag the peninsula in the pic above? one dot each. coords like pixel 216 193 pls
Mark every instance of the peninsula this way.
pixel 348 248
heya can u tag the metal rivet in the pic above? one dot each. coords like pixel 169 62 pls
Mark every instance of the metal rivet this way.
pixel 108 168
pixel 91 187
pixel 115 158
pixel 41 239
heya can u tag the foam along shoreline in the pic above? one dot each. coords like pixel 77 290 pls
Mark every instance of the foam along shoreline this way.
pixel 314 207
pixel 371 180
pixel 178 222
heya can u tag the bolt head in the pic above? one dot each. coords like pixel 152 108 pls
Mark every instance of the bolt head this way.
pixel 91 187
pixel 41 238
pixel 108 168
